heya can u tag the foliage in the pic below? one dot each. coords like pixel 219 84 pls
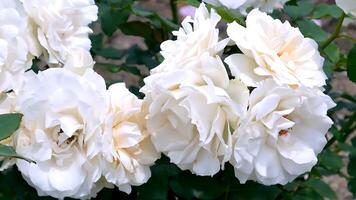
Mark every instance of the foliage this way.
pixel 167 181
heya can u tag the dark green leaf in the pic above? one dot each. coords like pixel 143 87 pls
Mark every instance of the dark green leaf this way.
pixel 254 191
pixel 345 147
pixel 325 10
pixel 189 186
pixel 351 169
pixel 7 151
pixel 321 188
pixel 352 186
pixel 157 20
pixel 14 187
pixel 310 29
pixel 332 52
pixel 96 41
pixel 194 3
pixel 330 160
pixel 303 8
pixel 137 28
pixel 307 194
pixel 229 15
pixel 138 56
pixel 351 64
pixel 118 68
pixel 111 53
pixel 9 123
pixel 157 186
pixel 112 15
pixel 328 68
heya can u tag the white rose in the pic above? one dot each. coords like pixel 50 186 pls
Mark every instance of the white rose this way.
pixel 282 133
pixel 197 36
pixel 15 56
pixel 128 151
pixel 191 119
pixel 191 104
pixel 61 130
pixel 79 60
pixel 62 25
pixel 273 49
pixel 348 6
pixel 243 5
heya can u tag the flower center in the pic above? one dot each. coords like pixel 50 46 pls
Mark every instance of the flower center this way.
pixel 64 142
pixel 283 133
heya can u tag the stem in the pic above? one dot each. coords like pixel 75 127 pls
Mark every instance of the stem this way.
pixel 335 34
pixel 173 4
pixel 227 192
pixel 347 37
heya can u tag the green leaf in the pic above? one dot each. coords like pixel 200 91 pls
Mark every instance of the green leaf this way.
pixel 9 123
pixel 332 52
pixel 96 41
pixel 113 14
pixel 303 8
pixel 345 147
pixel 189 186
pixel 14 187
pixel 229 15
pixel 157 20
pixel 325 10
pixel 351 168
pixel 330 160
pixel 336 133
pixel 137 28
pixel 310 29
pixel 328 68
pixel 351 64
pixel 254 191
pixel 321 188
pixel 194 3
pixel 118 68
pixel 8 151
pixel 157 186
pixel 111 53
pixel 352 186
pixel 307 194
pixel 138 56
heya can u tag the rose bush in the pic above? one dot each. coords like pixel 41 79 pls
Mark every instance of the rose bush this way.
pixel 238 101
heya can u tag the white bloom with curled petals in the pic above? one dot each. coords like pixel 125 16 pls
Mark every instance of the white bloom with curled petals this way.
pixel 243 5
pixel 128 151
pixel 348 6
pixel 191 118
pixel 62 25
pixel 282 133
pixel 272 49
pixel 79 60
pixel 61 130
pixel 15 57
pixel 191 104
pixel 197 36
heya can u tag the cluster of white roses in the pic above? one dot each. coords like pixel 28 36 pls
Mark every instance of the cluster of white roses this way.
pixel 200 119
pixel 81 136
pixel 269 121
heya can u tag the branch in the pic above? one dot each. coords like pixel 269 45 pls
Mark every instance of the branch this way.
pixel 335 34
pixel 173 4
